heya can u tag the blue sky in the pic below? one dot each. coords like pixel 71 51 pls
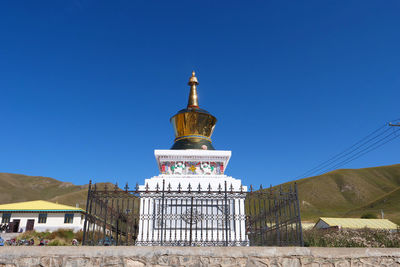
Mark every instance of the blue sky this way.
pixel 88 87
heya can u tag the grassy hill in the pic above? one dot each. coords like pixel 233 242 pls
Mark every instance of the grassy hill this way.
pixel 351 192
pixel 18 187
pixel 340 193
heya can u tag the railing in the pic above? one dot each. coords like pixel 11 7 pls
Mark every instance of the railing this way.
pixel 192 217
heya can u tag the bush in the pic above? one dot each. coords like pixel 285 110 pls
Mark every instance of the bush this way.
pixel 61 237
pixel 351 238
pixel 55 242
pixel 79 236
pixel 369 215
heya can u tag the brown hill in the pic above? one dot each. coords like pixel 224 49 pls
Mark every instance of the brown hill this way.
pixel 340 193
pixel 19 187
pixel 348 192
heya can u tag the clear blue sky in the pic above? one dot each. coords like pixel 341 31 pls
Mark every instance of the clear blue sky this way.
pixel 88 87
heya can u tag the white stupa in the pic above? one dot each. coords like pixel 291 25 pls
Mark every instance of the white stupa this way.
pixel 192 202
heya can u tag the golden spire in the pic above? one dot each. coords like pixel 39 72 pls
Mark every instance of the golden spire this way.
pixel 193 99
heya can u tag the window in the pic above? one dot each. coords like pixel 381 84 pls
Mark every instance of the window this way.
pixel 42 218
pixel 69 218
pixel 6 218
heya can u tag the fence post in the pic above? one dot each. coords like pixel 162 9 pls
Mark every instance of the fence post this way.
pixel 226 215
pixel 162 212
pixel 278 236
pixel 86 214
pixel 191 221
pixel 300 232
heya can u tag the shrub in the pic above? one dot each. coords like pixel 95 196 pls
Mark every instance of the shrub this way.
pixel 79 236
pixel 55 242
pixel 351 238
pixel 369 215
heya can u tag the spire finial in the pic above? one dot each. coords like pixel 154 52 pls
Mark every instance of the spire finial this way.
pixel 193 99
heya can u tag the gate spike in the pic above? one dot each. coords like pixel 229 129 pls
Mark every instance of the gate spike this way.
pixel 199 188
pixel 251 188
pixel 126 187
pixel 169 187
pixel 261 188
pixel 137 188
pixel 116 186
pixel 231 188
pixel 147 187
pixel 241 188
pixel 157 187
pixel 219 188
pixel 209 188
pixel 189 187
pixel 179 187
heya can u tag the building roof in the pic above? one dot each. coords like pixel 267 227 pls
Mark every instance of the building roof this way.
pixel 356 223
pixel 38 205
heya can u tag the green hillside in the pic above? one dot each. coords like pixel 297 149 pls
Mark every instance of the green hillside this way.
pixel 343 193
pixel 389 204
pixel 340 193
pixel 18 188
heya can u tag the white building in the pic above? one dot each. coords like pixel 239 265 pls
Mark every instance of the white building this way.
pixel 194 210
pixel 40 215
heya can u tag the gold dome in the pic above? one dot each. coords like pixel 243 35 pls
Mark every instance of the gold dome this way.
pixel 193 126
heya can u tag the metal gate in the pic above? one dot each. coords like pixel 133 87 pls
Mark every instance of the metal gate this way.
pixel 192 216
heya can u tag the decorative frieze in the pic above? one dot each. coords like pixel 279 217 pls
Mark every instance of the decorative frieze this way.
pixel 192 168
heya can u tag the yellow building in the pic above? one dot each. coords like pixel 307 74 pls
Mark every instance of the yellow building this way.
pixel 355 223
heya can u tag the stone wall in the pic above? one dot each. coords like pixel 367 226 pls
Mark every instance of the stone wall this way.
pixel 195 256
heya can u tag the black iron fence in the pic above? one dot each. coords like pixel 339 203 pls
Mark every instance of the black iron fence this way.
pixel 192 216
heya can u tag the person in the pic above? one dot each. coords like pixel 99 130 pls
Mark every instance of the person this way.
pixel 1 242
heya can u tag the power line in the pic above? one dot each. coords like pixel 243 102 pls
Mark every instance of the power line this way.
pixel 364 145
pixel 368 149
pixel 325 163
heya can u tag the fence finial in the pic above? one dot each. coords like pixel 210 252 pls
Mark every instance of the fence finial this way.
pixel 126 187
pixel 179 187
pixel 137 188
pixel 169 187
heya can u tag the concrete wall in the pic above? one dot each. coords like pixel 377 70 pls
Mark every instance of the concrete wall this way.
pixel 186 256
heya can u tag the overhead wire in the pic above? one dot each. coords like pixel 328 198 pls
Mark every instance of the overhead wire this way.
pixel 354 150
pixel 323 164
pixel 368 149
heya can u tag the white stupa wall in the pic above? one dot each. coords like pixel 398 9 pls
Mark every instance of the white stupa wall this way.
pixel 181 168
